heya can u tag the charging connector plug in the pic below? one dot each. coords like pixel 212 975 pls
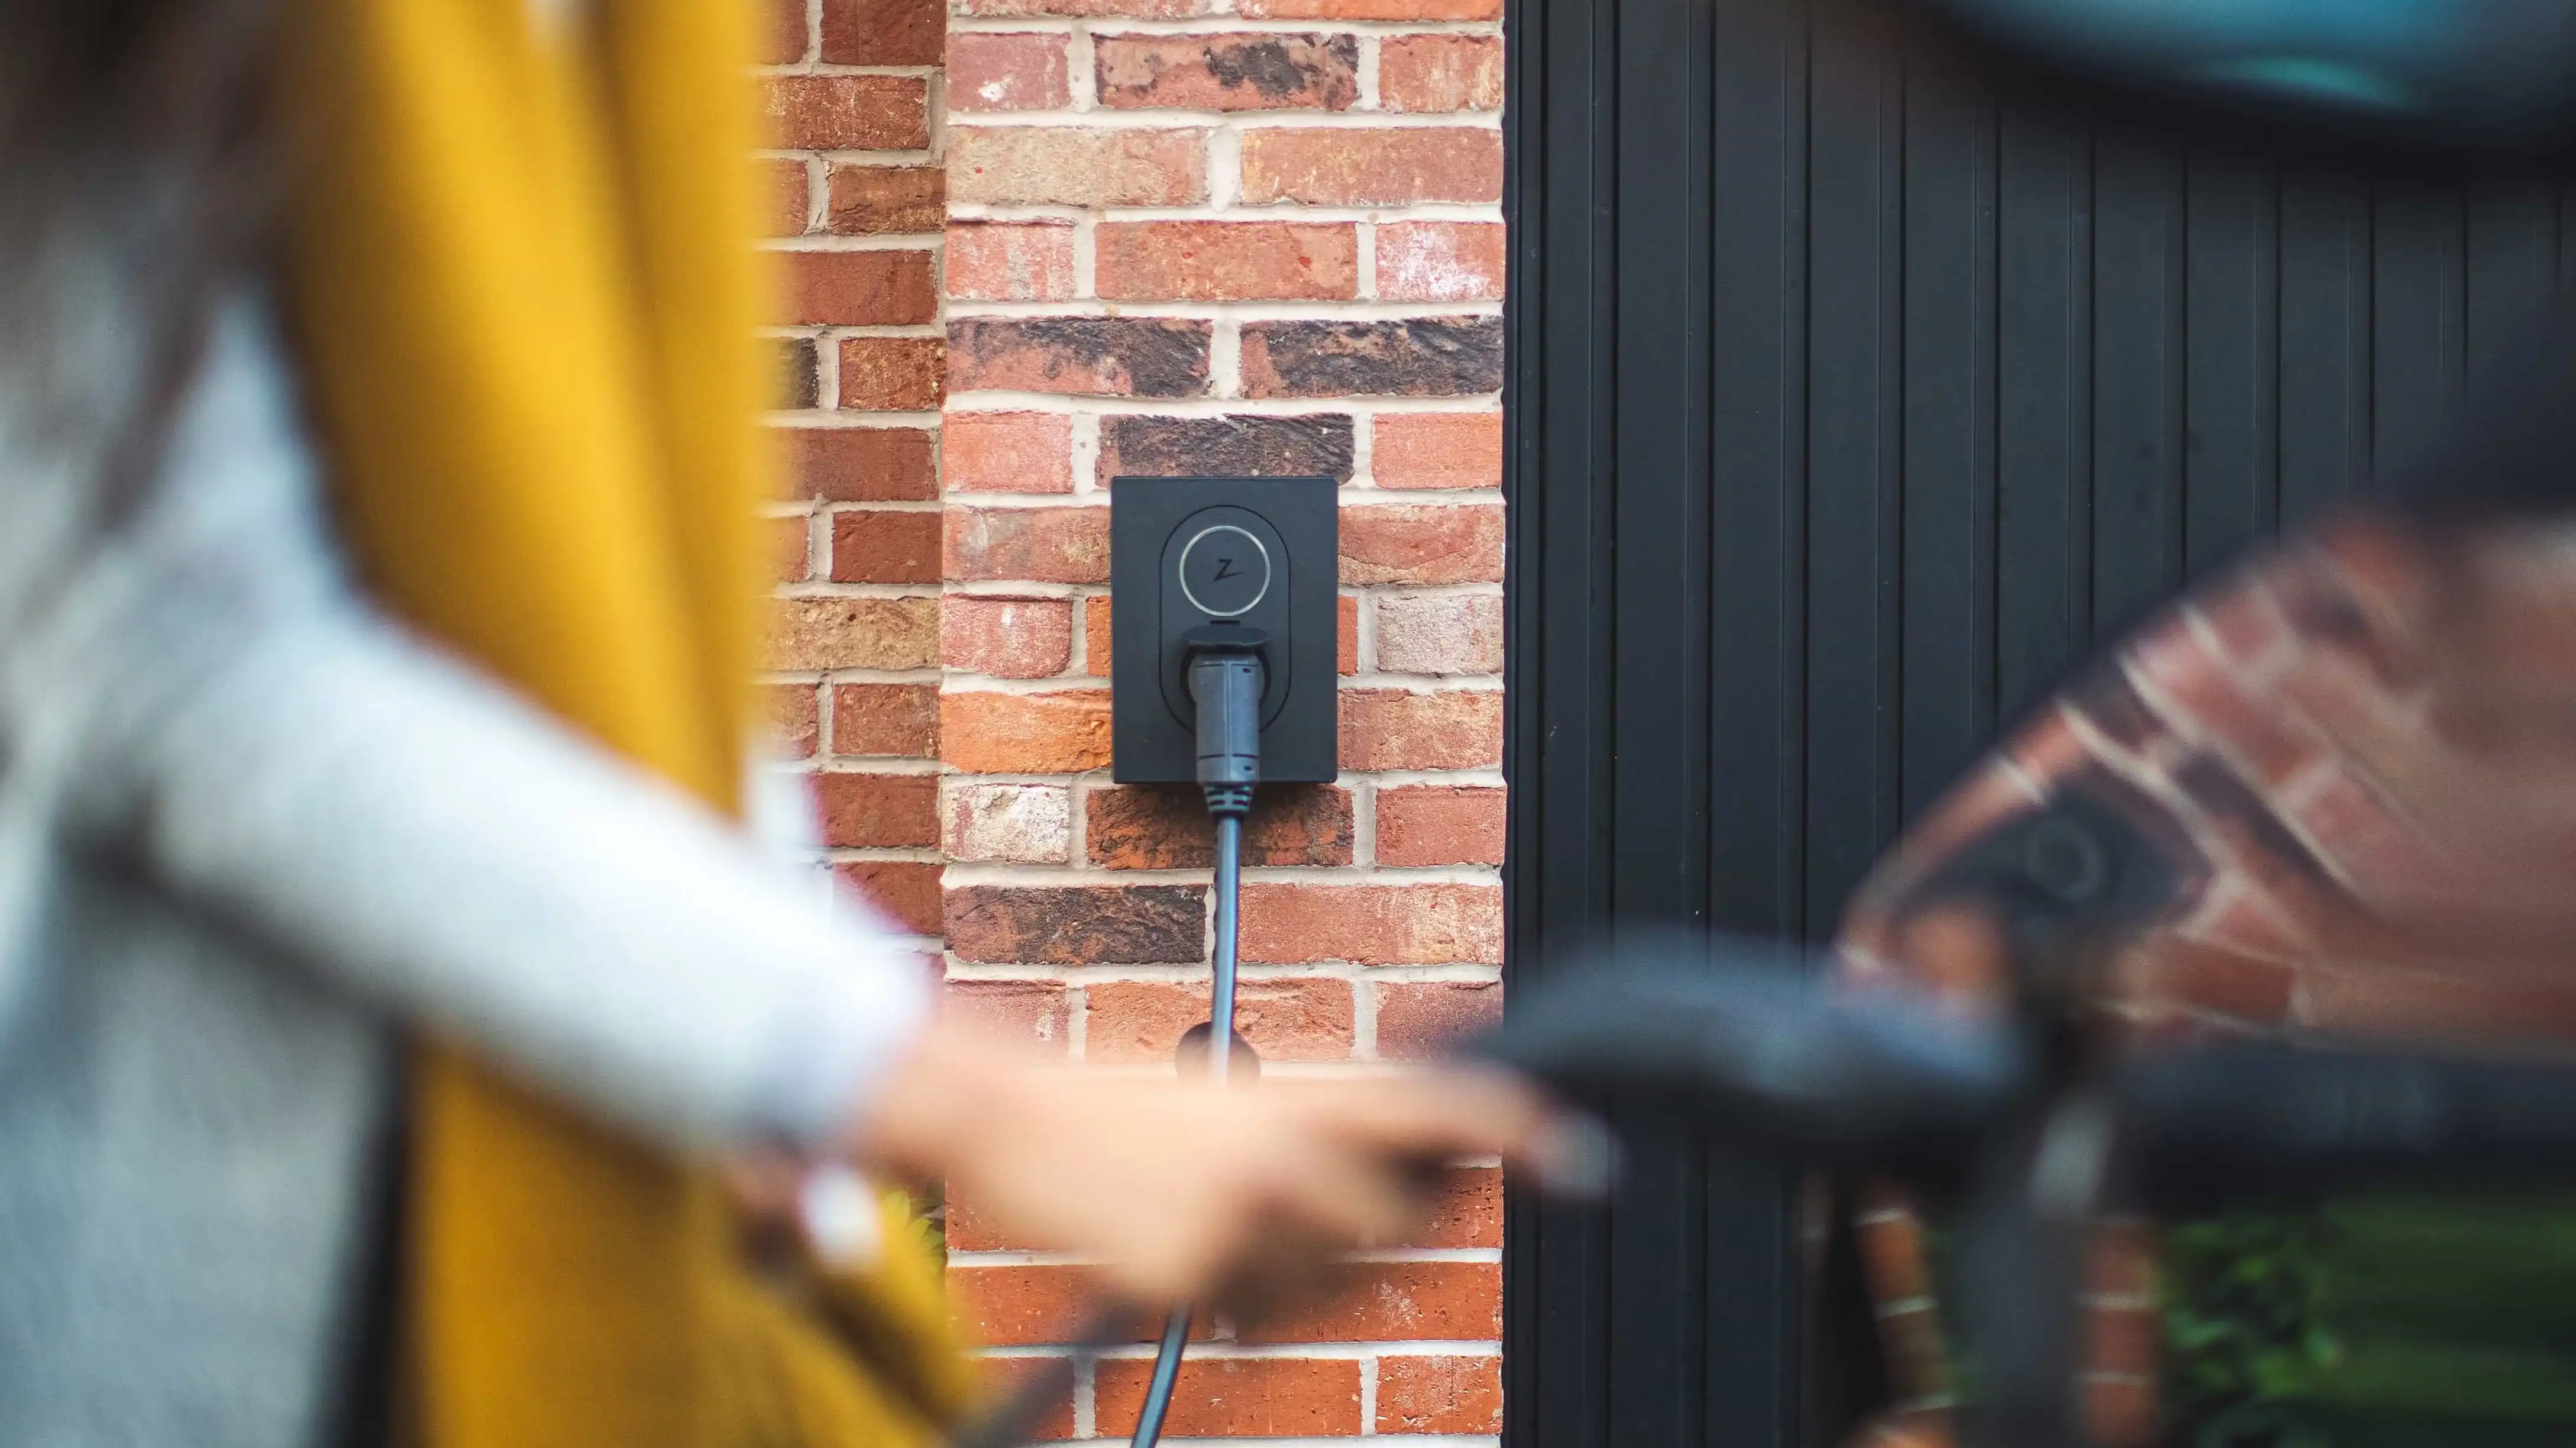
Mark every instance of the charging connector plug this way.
pixel 1226 681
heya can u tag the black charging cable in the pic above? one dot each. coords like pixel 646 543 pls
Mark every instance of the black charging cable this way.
pixel 1226 679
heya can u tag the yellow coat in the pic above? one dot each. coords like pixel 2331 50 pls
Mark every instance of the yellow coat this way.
pixel 524 293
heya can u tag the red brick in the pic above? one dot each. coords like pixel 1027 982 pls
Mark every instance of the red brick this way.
pixel 2247 626
pixel 906 892
pixel 794 713
pixel 1023 1010
pixel 2122 1339
pixel 1236 1397
pixel 885 200
pixel 1417 1020
pixel 997 72
pixel 2122 1411
pixel 2169 970
pixel 1371 166
pixel 883 32
pixel 1074 166
pixel 1422 543
pixel 1894 1257
pixel 1285 1020
pixel 1036 545
pixel 1167 828
pixel 854 633
pixel 879 810
pixel 2121 1260
pixel 1098 654
pixel 1394 729
pixel 1022 1306
pixel 1440 633
pixel 994 261
pixel 862 464
pixel 2366 842
pixel 2206 699
pixel 1346 636
pixel 784 39
pixel 1007 638
pixel 1083 356
pixel 1460 1393
pixel 1465 1210
pixel 1397 1302
pixel 1441 73
pixel 1440 261
pixel 1059 733
pixel 1221 261
pixel 791 208
pixel 1389 357
pixel 1029 824
pixel 792 548
pixel 1438 824
pixel 892 374
pixel 1293 924
pixel 880 545
pixel 1118 9
pixel 1913 1342
pixel 1007 452
pixel 1268 72
pixel 900 720
pixel 1083 925
pixel 849 112
pixel 1372 9
pixel 1001 1378
pixel 861 288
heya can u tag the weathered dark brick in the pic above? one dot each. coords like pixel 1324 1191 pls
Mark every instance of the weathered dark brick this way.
pixel 1240 446
pixel 798 384
pixel 1103 356
pixel 1228 72
pixel 1404 357
pixel 1093 925
pixel 1149 828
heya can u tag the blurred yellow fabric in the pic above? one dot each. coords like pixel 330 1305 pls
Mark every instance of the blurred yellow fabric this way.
pixel 520 268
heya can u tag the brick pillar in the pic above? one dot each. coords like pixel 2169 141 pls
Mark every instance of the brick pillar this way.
pixel 860 205
pixel 1260 238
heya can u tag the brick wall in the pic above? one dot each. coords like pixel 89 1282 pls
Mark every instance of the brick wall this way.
pixel 1179 236
pixel 851 89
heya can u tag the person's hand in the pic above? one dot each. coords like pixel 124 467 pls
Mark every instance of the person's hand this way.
pixel 1188 1190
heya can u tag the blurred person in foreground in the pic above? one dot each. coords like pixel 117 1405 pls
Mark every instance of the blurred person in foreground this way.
pixel 377 589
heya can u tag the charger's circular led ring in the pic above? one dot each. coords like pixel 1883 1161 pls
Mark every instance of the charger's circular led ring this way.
pixel 1192 594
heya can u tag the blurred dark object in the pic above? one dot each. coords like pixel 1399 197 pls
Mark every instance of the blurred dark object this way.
pixel 2471 72
pixel 143 137
pixel 2022 1132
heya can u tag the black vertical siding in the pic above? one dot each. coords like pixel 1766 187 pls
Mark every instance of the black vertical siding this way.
pixel 1852 402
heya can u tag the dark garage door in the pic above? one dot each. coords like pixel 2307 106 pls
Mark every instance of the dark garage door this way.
pixel 1853 400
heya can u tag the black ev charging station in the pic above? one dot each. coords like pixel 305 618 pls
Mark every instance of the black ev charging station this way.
pixel 1196 558
pixel 1224 677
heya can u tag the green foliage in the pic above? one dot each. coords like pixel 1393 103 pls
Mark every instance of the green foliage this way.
pixel 2247 1297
